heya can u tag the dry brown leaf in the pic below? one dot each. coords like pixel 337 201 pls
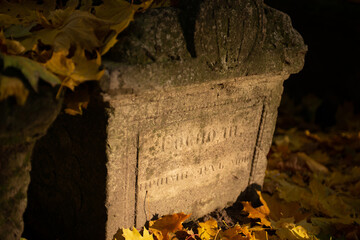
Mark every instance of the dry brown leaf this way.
pixel 281 209
pixel 237 233
pixel 313 165
pixel 313 136
pixel 287 230
pixel 168 224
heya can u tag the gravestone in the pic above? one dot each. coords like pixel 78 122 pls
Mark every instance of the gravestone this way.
pixel 183 123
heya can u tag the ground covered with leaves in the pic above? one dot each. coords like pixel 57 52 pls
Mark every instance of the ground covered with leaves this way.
pixel 311 191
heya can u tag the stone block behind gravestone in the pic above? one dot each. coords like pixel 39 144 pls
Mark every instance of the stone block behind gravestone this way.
pixel 184 122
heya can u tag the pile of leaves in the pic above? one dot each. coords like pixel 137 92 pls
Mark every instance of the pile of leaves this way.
pixel 311 191
pixel 61 44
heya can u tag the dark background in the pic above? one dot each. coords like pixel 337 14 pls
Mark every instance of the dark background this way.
pixel 327 91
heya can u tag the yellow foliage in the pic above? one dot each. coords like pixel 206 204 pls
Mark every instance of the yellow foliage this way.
pixel 49 35
pixel 260 212
pixel 237 233
pixel 32 70
pixel 75 70
pixel 119 13
pixel 11 86
pixel 208 230
pixel 287 230
pixel 135 235
pixel 168 224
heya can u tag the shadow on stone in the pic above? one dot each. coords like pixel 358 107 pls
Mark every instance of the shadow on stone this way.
pixel 66 195
pixel 233 214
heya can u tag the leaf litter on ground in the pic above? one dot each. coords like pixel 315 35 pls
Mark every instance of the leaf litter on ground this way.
pixel 311 191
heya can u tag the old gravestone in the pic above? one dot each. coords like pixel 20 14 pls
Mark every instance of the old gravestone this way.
pixel 184 121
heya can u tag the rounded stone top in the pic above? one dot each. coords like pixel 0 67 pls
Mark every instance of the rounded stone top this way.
pixel 204 41
pixel 228 31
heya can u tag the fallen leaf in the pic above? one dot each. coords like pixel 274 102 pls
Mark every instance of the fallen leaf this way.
pixel 287 230
pixel 313 136
pixel 327 201
pixel 289 191
pixel 237 233
pixel 310 228
pixel 313 165
pixel 320 156
pixel 11 86
pixel 260 212
pixel 281 209
pixel 135 235
pixel 168 224
pixel 208 230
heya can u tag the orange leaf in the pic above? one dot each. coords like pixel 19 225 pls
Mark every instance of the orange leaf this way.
pixel 237 233
pixel 168 224
pixel 260 212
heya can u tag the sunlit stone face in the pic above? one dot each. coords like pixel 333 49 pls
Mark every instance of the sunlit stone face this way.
pixel 206 159
pixel 190 148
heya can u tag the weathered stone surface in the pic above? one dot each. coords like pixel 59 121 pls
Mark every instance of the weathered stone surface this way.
pixel 190 104
pixel 191 149
pixel 190 134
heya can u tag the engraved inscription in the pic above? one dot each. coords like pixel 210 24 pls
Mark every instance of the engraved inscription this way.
pixel 172 142
pixel 196 152
pixel 197 172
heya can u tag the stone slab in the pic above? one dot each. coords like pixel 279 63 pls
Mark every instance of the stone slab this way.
pixel 184 120
pixel 192 149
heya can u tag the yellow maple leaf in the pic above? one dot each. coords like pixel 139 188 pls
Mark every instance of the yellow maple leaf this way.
pixel 260 212
pixel 66 27
pixel 287 230
pixel 208 230
pixel 120 13
pixel 135 235
pixel 168 224
pixel 11 86
pixel 75 70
